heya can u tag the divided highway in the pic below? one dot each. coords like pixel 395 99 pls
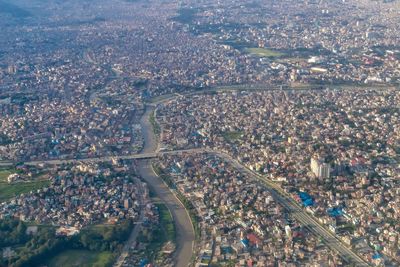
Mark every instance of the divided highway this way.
pixel 183 222
pixel 185 237
pixel 297 212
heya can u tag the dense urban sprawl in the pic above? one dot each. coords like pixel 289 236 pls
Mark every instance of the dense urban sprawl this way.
pixel 354 134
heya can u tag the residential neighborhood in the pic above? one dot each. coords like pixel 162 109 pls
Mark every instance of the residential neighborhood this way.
pixel 184 133
pixel 279 133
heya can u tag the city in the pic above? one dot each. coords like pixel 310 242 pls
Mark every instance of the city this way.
pixel 199 133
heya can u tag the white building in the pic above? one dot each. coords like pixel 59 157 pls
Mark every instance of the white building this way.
pixel 320 169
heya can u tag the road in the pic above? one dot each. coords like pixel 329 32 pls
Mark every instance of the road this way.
pixel 297 212
pixel 136 230
pixel 183 221
pixel 183 224
pixel 279 195
pixel 142 155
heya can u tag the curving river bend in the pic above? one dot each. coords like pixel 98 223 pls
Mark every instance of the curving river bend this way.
pixel 183 225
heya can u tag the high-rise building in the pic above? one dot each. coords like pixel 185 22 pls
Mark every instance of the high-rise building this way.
pixel 12 69
pixel 127 203
pixel 320 169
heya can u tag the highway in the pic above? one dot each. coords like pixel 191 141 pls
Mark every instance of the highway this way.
pixel 142 155
pixel 184 227
pixel 280 196
pixel 185 237
pixel 297 212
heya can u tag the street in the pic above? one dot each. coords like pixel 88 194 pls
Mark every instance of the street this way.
pixel 182 220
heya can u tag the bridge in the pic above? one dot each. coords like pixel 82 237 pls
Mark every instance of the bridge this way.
pixel 110 158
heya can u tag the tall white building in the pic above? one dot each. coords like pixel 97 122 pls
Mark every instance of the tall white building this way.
pixel 320 169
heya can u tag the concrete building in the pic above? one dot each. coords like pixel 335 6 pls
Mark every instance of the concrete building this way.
pixel 320 169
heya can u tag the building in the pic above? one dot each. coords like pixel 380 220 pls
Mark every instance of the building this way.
pixel 127 203
pixel 320 169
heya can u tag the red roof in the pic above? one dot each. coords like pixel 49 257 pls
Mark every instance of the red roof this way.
pixel 254 240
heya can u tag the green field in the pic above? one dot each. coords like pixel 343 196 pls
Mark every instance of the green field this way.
pixel 4 173
pixel 163 233
pixel 264 52
pixel 101 229
pixel 232 136
pixel 82 258
pixel 155 125
pixel 8 191
pixel 167 222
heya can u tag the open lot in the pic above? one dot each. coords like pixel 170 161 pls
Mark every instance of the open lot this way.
pixel 4 173
pixel 82 258
pixel 8 191
pixel 264 52
pixel 166 222
pixel 163 234
pixel 232 136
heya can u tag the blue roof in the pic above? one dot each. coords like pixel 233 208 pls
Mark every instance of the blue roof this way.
pixel 226 250
pixel 377 256
pixel 206 257
pixel 306 199
pixel 308 202
pixel 175 169
pixel 335 212
pixel 143 262
pixel 304 195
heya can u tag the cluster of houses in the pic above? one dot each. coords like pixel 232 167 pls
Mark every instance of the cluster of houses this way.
pixel 339 146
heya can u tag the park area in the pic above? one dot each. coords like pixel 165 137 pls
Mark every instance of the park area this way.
pixel 162 234
pixel 10 190
pixel 264 52
pixel 4 173
pixel 82 258
pixel 158 240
